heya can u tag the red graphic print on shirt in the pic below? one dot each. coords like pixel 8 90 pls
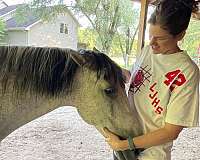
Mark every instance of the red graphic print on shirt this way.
pixel 143 75
pixel 139 77
pixel 174 79
pixel 155 101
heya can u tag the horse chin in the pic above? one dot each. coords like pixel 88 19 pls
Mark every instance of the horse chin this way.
pixel 95 120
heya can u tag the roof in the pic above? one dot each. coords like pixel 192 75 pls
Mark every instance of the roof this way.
pixel 31 20
pixel 13 25
pixel 72 15
pixel 8 9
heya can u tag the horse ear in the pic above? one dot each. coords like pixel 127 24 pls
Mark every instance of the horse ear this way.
pixel 95 49
pixel 78 58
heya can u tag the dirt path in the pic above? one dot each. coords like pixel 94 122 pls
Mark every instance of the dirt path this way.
pixel 62 135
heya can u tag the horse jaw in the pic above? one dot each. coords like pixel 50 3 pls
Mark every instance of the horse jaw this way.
pixel 16 112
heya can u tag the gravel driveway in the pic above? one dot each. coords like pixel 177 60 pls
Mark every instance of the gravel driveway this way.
pixel 63 135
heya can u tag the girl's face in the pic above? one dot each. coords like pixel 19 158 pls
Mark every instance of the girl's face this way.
pixel 162 41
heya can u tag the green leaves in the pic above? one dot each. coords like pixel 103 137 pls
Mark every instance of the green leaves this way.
pixel 2 29
pixel 108 17
pixel 191 40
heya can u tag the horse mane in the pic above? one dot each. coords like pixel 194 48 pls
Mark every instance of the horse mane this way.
pixel 49 71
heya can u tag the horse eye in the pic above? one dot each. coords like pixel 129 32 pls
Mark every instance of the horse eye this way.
pixel 110 91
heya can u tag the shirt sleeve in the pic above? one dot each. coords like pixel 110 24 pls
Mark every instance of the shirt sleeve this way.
pixel 183 106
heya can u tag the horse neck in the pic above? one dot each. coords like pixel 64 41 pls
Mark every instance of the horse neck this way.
pixel 15 112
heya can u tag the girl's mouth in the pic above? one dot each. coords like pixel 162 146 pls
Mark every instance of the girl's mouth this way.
pixel 155 48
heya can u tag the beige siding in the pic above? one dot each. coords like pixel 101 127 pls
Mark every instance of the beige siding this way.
pixel 17 38
pixel 48 33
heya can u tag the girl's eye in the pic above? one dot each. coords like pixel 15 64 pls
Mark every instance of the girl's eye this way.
pixel 110 91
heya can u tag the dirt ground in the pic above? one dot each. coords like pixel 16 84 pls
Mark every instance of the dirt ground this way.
pixel 63 135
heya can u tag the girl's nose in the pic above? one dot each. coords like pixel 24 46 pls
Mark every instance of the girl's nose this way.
pixel 152 40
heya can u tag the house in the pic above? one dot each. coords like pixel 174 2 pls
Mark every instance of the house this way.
pixel 60 32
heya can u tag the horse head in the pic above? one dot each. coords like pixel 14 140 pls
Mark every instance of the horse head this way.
pixel 103 99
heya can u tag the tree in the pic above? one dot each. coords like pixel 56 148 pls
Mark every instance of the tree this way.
pixel 110 18
pixel 88 36
pixel 191 40
pixel 2 29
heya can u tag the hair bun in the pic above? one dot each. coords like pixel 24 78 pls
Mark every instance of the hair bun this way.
pixel 192 4
pixel 196 6
pixel 196 9
pixel 174 15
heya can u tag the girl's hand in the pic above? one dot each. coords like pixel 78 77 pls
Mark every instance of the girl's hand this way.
pixel 112 139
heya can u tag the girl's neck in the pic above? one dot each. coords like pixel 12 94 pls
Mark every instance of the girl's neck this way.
pixel 176 49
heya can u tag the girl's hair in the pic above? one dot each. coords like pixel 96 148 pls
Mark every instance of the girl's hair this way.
pixel 174 15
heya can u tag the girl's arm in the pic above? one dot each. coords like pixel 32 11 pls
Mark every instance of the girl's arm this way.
pixel 166 134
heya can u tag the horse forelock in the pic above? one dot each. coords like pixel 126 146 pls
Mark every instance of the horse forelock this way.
pixel 104 65
pixel 49 71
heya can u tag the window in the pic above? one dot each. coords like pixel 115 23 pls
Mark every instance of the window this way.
pixel 64 28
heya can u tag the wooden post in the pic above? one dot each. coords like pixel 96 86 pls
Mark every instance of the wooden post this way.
pixel 142 25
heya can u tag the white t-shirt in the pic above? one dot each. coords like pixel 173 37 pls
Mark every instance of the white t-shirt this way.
pixel 165 90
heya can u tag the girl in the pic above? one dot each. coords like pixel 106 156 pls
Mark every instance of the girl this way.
pixel 167 96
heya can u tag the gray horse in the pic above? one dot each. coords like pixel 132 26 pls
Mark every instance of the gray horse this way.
pixel 35 81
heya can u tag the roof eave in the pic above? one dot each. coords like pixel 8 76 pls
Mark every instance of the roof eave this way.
pixel 8 13
pixel 33 24
pixel 16 29
pixel 75 19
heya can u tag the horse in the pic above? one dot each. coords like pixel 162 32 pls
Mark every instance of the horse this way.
pixel 37 80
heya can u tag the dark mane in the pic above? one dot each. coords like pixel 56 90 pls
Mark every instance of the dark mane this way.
pixel 102 63
pixel 48 71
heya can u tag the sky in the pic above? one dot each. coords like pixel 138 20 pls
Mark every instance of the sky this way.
pixel 11 2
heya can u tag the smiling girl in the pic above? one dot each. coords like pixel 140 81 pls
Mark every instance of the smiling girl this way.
pixel 167 98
